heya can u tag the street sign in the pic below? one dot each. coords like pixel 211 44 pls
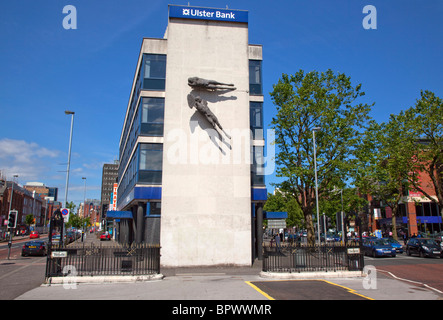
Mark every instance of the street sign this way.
pixel 65 214
pixel 59 254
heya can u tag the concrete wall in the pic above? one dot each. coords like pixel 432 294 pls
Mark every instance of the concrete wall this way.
pixel 206 200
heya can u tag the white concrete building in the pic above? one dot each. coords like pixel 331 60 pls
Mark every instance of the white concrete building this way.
pixel 193 187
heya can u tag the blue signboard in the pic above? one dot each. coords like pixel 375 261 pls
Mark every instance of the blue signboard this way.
pixel 187 12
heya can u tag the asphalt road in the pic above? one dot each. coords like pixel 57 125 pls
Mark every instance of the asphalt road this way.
pixel 19 274
pixel 424 272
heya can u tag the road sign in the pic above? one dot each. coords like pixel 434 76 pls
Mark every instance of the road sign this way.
pixel 59 254
pixel 65 214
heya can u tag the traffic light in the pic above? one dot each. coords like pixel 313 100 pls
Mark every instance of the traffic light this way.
pixel 12 219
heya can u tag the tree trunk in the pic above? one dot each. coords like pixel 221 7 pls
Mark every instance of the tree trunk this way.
pixel 309 227
pixel 394 226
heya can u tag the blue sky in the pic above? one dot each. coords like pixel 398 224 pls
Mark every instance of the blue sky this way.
pixel 45 69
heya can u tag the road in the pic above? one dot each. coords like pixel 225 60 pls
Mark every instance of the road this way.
pixel 19 274
pixel 424 272
pixel 422 276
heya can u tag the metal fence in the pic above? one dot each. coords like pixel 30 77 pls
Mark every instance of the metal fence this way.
pixel 93 260
pixel 302 258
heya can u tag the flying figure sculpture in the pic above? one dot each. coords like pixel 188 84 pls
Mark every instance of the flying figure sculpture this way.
pixel 199 83
pixel 202 107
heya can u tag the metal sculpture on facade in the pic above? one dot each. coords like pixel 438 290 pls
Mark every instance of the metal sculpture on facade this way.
pixel 202 107
pixel 199 83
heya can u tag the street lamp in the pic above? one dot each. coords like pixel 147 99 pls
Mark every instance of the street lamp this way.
pixel 69 156
pixel 84 197
pixel 10 207
pixel 316 182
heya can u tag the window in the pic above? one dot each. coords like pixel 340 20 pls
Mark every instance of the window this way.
pixel 419 209
pixel 255 83
pixel 256 120
pixel 152 116
pixel 151 163
pixel 154 72
pixel 257 168
pixel 155 208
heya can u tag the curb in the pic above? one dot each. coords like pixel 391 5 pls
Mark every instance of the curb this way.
pixel 311 275
pixel 100 279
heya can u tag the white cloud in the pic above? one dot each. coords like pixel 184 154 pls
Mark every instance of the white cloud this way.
pixel 27 159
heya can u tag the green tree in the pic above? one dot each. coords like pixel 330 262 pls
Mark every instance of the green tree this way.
pixel 305 101
pixel 71 206
pixel 29 219
pixel 384 163
pixel 425 122
pixel 278 202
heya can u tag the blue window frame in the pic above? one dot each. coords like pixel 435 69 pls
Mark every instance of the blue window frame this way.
pixel 256 120
pixel 150 163
pixel 154 71
pixel 257 167
pixel 152 116
pixel 255 77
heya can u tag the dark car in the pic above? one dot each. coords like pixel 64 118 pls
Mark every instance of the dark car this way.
pixel 36 247
pixel 423 247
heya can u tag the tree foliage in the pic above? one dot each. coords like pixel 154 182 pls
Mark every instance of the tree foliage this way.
pixel 279 202
pixel 305 101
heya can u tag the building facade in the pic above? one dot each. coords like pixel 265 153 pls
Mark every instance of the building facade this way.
pixel 192 144
pixel 109 177
pixel 418 214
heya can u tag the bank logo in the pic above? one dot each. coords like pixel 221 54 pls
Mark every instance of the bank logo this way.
pixel 186 12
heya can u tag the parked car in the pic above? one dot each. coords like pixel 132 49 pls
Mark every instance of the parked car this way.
pixel 34 235
pixel 424 247
pixel 378 248
pixel 105 236
pixel 395 244
pixel 35 247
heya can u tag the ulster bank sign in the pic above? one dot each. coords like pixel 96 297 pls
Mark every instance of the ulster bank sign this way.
pixel 187 12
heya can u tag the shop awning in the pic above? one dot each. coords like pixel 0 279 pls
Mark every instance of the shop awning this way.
pixel 119 214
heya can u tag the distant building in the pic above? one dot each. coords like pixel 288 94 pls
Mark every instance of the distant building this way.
pixel 417 212
pixel 109 177
pixel 24 201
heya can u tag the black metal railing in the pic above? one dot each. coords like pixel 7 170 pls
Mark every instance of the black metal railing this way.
pixel 302 258
pixel 93 260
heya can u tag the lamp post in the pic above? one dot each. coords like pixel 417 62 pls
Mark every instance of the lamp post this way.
pixel 69 156
pixel 316 182
pixel 84 207
pixel 84 197
pixel 10 207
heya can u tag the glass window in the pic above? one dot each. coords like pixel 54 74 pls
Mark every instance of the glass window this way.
pixel 154 71
pixel 255 77
pixel 155 208
pixel 419 210
pixel 152 118
pixel 256 120
pixel 151 163
pixel 257 167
